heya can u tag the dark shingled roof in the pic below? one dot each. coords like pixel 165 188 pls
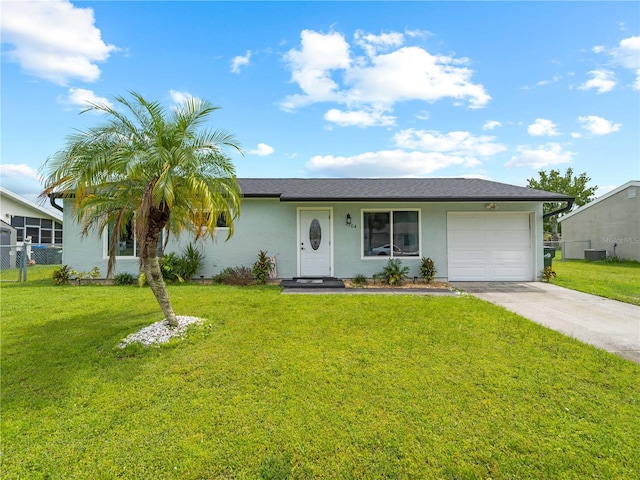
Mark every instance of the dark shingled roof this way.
pixel 391 189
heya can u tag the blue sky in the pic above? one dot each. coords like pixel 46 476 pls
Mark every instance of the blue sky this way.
pixel 494 90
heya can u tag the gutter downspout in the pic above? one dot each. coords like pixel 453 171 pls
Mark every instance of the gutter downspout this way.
pixel 566 208
pixel 52 201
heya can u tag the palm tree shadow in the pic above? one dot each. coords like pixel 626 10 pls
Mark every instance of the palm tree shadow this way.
pixel 43 363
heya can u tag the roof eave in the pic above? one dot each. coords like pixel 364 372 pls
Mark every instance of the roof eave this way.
pixel 284 198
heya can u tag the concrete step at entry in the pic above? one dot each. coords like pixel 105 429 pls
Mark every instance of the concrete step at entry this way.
pixel 312 282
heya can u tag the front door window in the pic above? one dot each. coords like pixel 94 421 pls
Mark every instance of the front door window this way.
pixel 315 234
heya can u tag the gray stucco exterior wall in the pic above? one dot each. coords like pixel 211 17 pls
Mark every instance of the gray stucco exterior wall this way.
pixel 613 220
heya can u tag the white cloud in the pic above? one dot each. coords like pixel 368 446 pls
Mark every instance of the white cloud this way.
pixel 556 78
pixel 54 40
pixel 627 54
pixel 418 33
pixel 361 118
pixel 240 61
pixel 178 97
pixel 542 127
pixel 84 98
pixel 326 70
pixel 603 81
pixel 491 124
pixel 372 44
pixel 412 73
pixel 576 135
pixel 311 67
pixel 386 163
pixel 457 143
pixel 420 152
pixel 21 179
pixel 598 125
pixel 262 150
pixel 22 170
pixel 540 157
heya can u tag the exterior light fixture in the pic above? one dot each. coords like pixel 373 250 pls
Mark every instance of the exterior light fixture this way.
pixel 348 219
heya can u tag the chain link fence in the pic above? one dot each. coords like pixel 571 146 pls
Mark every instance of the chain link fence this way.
pixel 27 262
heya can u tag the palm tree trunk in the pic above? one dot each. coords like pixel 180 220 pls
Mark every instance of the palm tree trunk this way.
pixel 151 266
pixel 156 282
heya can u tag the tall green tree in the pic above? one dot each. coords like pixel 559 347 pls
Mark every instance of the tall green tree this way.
pixel 157 169
pixel 567 184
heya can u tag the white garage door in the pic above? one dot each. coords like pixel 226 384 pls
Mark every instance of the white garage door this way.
pixel 489 247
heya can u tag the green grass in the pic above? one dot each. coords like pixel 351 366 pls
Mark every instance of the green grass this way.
pixel 292 386
pixel 34 273
pixel 618 281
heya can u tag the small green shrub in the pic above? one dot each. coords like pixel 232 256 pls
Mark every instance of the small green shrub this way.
pixel 91 274
pixel 169 268
pixel 262 268
pixel 240 276
pixel 359 280
pixel 428 269
pixel 184 267
pixel 394 273
pixel 142 279
pixel 191 262
pixel 548 274
pixel 123 278
pixel 62 275
pixel 614 259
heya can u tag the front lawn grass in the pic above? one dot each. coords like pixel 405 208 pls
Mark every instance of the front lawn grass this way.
pixel 305 387
pixel 615 280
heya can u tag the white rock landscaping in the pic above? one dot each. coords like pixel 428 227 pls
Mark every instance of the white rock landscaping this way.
pixel 160 332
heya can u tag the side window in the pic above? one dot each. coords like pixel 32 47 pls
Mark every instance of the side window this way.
pixel 222 221
pixel 126 246
pixel 127 243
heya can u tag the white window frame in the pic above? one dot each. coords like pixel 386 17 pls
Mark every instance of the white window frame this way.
pixel 105 245
pixel 390 211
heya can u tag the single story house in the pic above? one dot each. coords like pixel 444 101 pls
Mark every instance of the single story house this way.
pixel 609 225
pixel 474 230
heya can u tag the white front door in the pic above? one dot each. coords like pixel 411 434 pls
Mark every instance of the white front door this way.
pixel 315 243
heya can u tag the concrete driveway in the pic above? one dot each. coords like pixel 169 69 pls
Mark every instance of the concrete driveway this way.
pixel 608 324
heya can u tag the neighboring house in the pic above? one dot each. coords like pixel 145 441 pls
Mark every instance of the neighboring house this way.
pixel 610 223
pixel 30 220
pixel 474 230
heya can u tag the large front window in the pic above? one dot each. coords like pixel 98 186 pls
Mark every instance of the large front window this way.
pixel 391 233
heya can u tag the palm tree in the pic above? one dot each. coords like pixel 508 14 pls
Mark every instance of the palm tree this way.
pixel 153 168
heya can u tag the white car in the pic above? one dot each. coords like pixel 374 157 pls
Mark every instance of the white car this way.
pixel 386 250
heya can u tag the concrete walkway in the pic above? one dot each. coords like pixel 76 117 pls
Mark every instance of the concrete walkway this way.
pixel 608 324
pixel 370 291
